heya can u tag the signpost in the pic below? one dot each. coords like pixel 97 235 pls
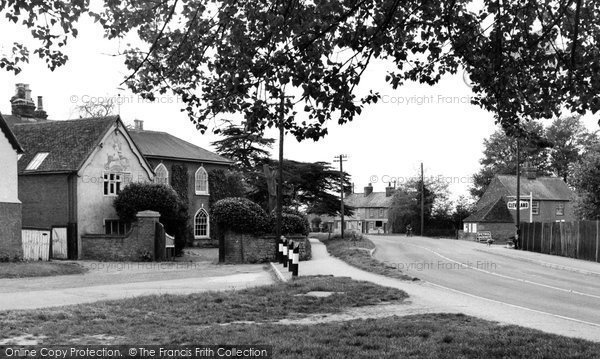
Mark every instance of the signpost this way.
pixel 527 204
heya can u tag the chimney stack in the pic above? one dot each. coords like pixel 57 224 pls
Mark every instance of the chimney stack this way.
pixel 368 190
pixel 529 171
pixel 21 103
pixel 139 125
pixel 39 112
pixel 389 190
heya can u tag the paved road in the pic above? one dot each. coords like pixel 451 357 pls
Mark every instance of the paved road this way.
pixel 561 288
pixel 109 280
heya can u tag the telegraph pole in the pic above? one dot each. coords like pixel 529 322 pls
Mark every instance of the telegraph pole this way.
pixel 341 159
pixel 518 216
pixel 280 167
pixel 280 174
pixel 422 201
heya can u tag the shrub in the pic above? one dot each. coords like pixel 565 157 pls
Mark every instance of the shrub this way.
pixel 290 224
pixel 240 215
pixel 137 197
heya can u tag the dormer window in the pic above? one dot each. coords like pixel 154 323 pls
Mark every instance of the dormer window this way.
pixel 201 181
pixel 37 161
pixel 162 175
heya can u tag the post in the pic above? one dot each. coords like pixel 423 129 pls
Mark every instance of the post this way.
pixel 285 253
pixel 531 207
pixel 518 217
pixel 280 175
pixel 341 159
pixel 597 238
pixel 280 249
pixel 296 261
pixel 342 194
pixel 290 255
pixel 422 201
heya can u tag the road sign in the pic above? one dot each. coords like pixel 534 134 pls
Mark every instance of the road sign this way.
pixel 513 204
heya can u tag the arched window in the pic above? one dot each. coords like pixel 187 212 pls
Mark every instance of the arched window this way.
pixel 201 181
pixel 162 175
pixel 201 224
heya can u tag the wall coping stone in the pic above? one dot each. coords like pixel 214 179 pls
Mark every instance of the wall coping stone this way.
pixel 148 214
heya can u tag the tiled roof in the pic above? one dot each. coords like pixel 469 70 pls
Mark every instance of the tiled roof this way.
pixel 165 145
pixel 496 212
pixel 374 200
pixel 14 119
pixel 543 188
pixel 68 143
pixel 5 128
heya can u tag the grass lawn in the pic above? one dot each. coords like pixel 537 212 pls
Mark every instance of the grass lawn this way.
pixel 247 318
pixel 356 254
pixel 168 318
pixel 38 269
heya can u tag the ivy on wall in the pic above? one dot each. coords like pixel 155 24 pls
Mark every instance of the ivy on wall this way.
pixel 222 184
pixel 179 181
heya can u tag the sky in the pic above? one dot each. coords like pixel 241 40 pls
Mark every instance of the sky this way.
pixel 416 123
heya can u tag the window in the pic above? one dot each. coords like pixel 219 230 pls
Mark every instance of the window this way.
pixel 201 181
pixel 535 207
pixel 381 213
pixel 560 209
pixel 112 183
pixel 371 212
pixel 378 223
pixel 201 228
pixel 37 161
pixel 116 227
pixel 162 175
pixel 371 225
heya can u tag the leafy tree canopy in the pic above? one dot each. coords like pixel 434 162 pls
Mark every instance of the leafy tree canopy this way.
pixel 245 148
pixel 526 60
pixel 586 180
pixel 551 151
pixel 314 186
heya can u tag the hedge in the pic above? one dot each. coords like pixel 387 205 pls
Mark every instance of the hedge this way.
pixel 240 215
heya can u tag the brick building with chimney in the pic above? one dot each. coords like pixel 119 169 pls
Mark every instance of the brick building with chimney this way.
pixel 370 211
pixel 66 168
pixel 548 199
pixel 183 166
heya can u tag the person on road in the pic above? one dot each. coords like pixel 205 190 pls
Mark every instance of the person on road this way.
pixel 409 230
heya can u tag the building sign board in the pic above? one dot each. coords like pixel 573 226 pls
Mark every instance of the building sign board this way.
pixel 513 205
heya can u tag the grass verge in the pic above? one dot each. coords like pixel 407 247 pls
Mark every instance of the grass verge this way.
pixel 38 269
pixel 356 253
pixel 168 318
pixel 418 336
pixel 216 319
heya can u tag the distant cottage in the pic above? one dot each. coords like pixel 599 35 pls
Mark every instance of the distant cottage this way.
pixel 549 200
pixel 370 211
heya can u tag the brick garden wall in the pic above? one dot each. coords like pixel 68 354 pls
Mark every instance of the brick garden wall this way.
pixel 247 248
pixel 10 231
pixel 137 245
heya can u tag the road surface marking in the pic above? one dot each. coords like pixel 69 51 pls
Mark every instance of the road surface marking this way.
pixel 514 305
pixel 508 277
pixel 543 263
